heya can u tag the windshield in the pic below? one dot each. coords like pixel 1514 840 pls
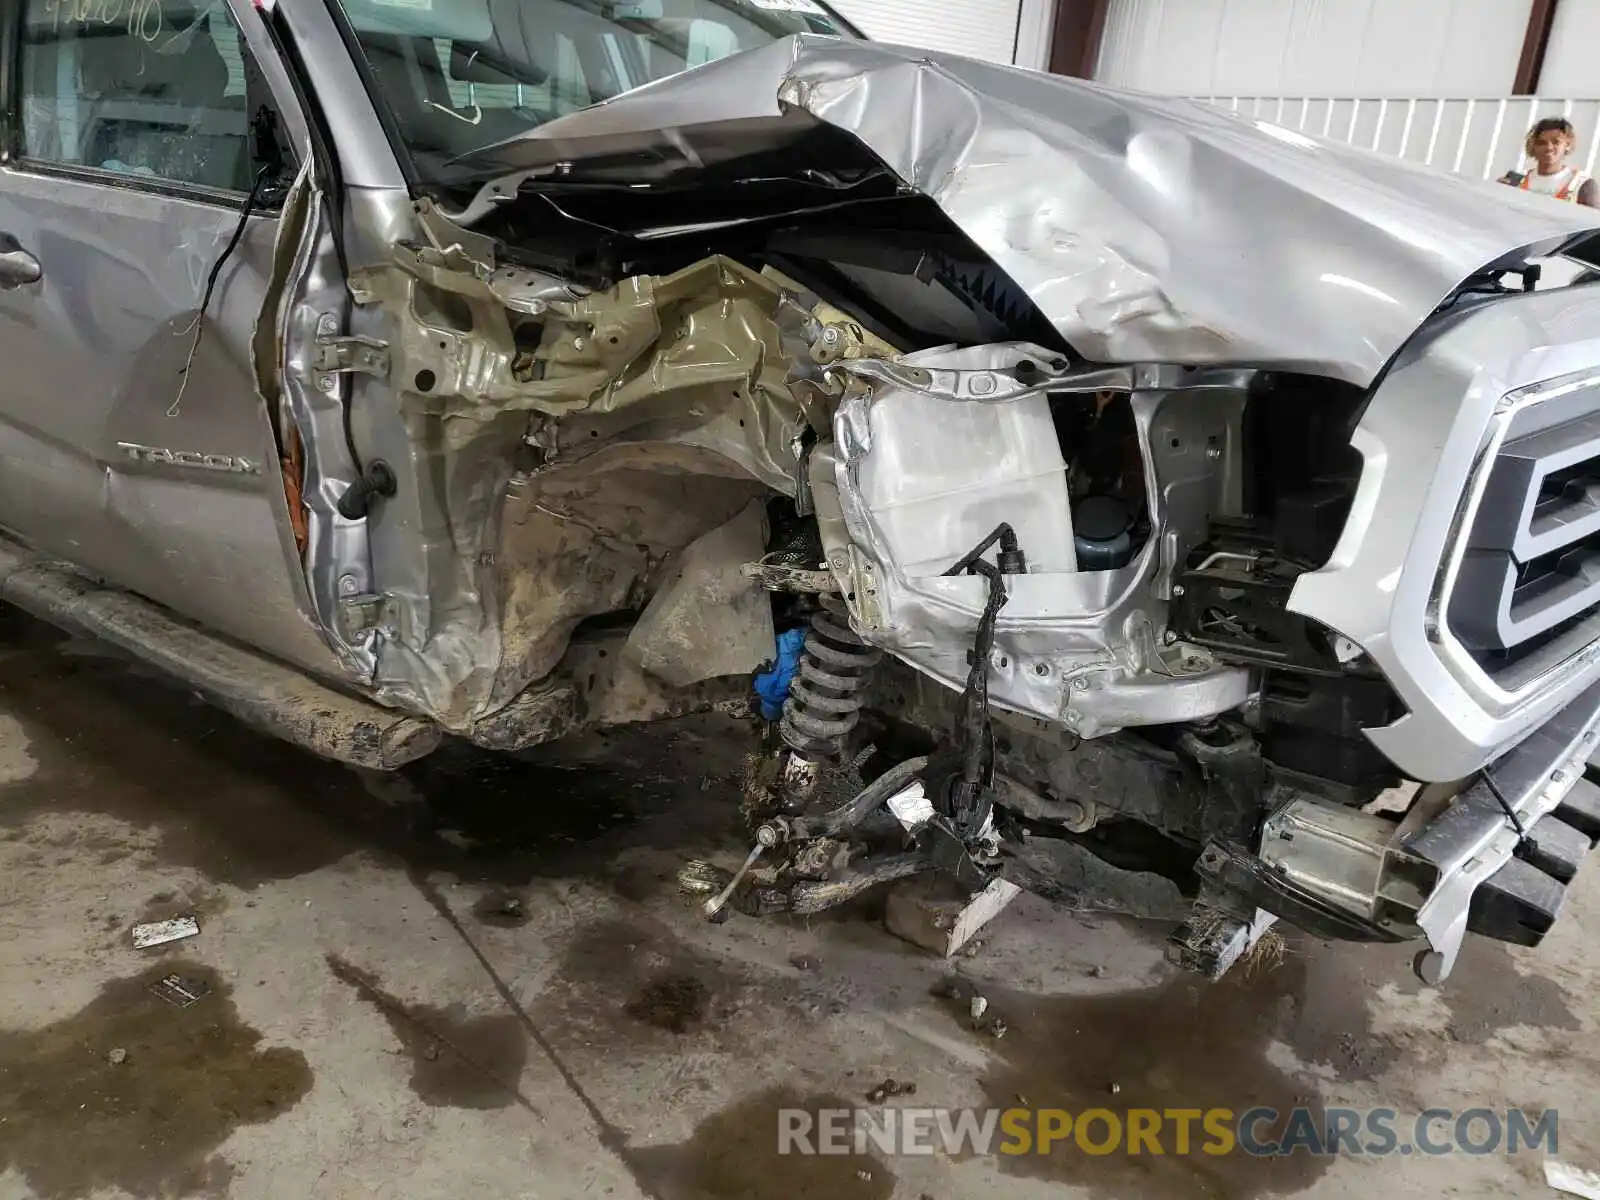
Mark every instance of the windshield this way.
pixel 458 75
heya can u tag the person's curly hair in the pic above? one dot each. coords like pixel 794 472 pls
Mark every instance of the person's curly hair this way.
pixel 1550 125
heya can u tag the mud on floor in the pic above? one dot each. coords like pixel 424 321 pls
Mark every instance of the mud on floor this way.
pixel 457 1061
pixel 136 1093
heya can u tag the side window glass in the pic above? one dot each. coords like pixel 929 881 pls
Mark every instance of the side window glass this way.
pixel 152 88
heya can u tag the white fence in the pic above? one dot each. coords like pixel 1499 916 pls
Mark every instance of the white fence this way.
pixel 1473 137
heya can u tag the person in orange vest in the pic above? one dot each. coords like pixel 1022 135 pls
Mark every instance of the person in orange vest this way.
pixel 1549 144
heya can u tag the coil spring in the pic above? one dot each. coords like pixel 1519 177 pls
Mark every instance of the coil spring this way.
pixel 826 696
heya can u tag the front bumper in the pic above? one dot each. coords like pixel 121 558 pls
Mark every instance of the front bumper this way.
pixel 1506 848
pixel 1435 441
pixel 1494 858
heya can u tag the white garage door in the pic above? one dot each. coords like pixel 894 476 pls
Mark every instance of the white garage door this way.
pixel 976 28
pixel 1315 47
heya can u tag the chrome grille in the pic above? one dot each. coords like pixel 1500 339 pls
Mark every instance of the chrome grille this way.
pixel 1527 593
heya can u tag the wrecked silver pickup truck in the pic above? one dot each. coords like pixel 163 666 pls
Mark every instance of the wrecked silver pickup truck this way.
pixel 1218 509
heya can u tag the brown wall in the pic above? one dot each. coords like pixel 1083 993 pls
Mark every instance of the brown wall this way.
pixel 1076 44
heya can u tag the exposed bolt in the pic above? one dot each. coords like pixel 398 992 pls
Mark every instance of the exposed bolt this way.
pixel 578 344
pixel 1213 451
pixel 1177 589
pixel 1557 776
pixel 1041 669
pixel 1170 637
pixel 348 585
pixel 830 335
pixel 325 383
pixel 982 384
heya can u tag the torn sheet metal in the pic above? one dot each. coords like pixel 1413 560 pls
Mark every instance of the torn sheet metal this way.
pixel 657 410
pixel 158 933
pixel 1146 229
pixel 700 351
pixel 1575 1181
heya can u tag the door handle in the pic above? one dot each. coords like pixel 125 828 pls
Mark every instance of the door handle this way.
pixel 17 266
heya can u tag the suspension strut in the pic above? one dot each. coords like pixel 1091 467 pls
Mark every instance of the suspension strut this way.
pixel 824 702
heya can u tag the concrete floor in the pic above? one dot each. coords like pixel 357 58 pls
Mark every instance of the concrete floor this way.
pixel 382 1024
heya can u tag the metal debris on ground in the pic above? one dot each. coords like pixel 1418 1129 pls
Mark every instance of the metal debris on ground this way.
pixel 1572 1180
pixel 176 989
pixel 805 962
pixel 1097 972
pixel 955 988
pixel 1116 1089
pixel 117 1057
pixel 864 1175
pixel 157 933
pixel 890 1087
pixel 700 878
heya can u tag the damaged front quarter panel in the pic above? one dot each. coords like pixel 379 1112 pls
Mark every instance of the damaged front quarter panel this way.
pixel 579 443
pixel 653 413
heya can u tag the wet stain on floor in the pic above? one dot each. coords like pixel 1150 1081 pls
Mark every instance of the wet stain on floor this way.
pixel 733 1155
pixel 676 1003
pixel 147 1120
pixel 1486 994
pixel 633 983
pixel 457 1061
pixel 502 908
pixel 239 808
pixel 1186 1044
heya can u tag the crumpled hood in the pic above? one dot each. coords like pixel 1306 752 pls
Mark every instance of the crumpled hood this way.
pixel 1146 229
